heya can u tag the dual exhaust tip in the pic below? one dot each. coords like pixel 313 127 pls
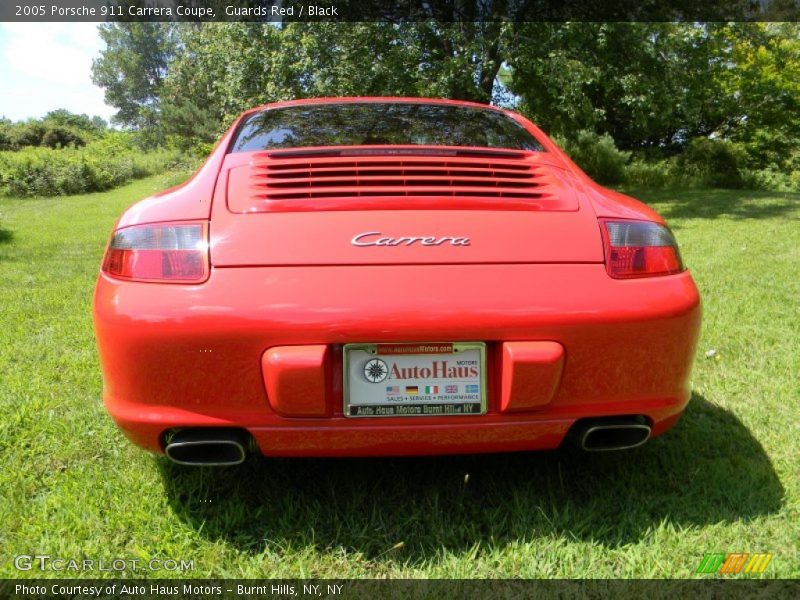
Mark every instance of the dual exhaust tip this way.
pixel 212 447
pixel 610 433
pixel 216 447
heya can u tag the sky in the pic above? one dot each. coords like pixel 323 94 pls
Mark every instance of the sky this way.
pixel 45 66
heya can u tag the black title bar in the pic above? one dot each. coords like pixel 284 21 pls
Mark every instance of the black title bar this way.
pixel 399 11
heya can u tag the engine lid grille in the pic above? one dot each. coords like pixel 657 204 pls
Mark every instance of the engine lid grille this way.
pixel 342 181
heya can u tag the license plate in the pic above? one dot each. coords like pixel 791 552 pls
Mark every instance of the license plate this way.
pixel 414 380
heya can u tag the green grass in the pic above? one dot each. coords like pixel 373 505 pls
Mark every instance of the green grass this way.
pixel 725 479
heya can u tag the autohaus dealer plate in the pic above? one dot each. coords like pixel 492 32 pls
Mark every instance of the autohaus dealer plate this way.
pixel 421 379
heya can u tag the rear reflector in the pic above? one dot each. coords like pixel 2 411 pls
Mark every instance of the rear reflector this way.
pixel 166 252
pixel 639 249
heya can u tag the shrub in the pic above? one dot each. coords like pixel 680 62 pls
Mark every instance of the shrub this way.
pixel 771 179
pixel 84 125
pixel 6 139
pixel 27 134
pixel 58 129
pixel 56 136
pixel 656 174
pixel 713 162
pixel 101 165
pixel 598 155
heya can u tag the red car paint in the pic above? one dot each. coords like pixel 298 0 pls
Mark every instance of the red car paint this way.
pixel 258 344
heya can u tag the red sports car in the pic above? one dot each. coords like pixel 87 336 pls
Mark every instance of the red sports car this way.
pixel 391 276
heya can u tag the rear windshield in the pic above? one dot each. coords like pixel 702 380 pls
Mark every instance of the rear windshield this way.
pixel 381 123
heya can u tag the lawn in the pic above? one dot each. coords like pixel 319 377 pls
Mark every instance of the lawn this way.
pixel 726 479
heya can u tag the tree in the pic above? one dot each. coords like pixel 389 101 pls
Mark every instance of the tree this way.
pixel 132 69
pixel 653 87
pixel 222 69
pixel 765 87
pixel 645 84
pixel 228 67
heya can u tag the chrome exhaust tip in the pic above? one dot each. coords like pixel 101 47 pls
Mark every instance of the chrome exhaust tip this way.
pixel 208 447
pixel 601 435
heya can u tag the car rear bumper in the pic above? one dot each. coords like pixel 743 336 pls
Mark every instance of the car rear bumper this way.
pixel 177 356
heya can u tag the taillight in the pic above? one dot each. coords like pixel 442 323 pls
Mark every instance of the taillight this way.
pixel 166 252
pixel 639 249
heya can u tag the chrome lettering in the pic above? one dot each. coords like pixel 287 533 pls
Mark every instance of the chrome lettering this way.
pixel 361 240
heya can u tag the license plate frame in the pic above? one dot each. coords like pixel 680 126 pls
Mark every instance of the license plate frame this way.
pixel 401 403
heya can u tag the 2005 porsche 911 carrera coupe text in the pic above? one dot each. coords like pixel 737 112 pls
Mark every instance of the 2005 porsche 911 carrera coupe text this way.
pixel 389 276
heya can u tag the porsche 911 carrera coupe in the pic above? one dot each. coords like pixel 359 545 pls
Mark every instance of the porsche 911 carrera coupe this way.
pixel 391 276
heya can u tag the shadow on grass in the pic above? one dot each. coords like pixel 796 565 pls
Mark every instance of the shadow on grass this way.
pixel 708 469
pixel 6 236
pixel 712 204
